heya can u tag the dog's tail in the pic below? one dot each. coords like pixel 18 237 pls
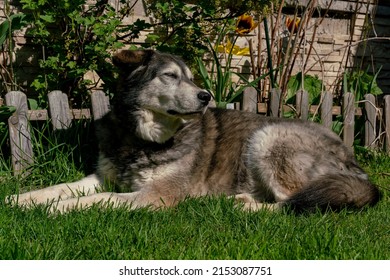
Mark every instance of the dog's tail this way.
pixel 334 192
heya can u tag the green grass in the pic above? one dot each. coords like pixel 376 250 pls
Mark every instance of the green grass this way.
pixel 205 228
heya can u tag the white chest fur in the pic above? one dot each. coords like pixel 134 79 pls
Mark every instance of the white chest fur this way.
pixel 156 127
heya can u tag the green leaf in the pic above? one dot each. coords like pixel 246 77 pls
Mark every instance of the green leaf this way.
pixel 33 104
pixel 15 22
pixel 345 82
pixel 311 84
pixel 6 111
pixel 204 75
pixel 47 18
pixel 361 83
pixel 152 38
pixel 4 31
pixel 71 64
pixel 247 84
pixel 374 88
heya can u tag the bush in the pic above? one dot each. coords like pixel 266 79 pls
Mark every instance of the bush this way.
pixel 77 37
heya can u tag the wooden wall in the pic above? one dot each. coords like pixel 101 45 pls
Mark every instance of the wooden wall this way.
pixel 331 55
pixel 376 53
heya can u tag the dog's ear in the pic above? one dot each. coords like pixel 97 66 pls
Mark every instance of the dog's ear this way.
pixel 129 60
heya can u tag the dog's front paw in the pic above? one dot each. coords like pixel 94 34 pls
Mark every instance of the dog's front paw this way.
pixel 28 199
pixel 20 199
pixel 11 199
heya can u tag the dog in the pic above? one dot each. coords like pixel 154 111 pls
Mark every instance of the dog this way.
pixel 160 144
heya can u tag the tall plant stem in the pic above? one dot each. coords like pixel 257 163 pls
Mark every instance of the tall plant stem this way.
pixel 267 39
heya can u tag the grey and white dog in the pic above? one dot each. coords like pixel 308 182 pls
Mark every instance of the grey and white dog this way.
pixel 160 144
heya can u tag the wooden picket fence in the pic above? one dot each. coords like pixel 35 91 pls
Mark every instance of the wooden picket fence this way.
pixel 59 113
pixel 377 120
pixel 61 117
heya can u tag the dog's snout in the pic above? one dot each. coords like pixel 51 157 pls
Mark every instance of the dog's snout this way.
pixel 204 96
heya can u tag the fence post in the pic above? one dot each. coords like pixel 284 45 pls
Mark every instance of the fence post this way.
pixel 386 114
pixel 19 133
pixel 100 104
pixel 59 110
pixel 349 118
pixel 326 109
pixel 370 123
pixel 249 100
pixel 275 95
pixel 302 104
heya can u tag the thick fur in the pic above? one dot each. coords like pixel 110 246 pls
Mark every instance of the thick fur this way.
pixel 160 144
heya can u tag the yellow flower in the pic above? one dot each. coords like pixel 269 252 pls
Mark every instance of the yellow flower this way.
pixel 233 49
pixel 245 24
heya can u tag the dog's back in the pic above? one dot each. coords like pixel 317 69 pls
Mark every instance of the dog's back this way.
pixel 298 163
pixel 291 162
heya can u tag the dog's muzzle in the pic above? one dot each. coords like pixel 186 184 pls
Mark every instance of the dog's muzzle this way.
pixel 204 97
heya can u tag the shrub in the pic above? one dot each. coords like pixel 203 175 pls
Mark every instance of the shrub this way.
pixel 75 38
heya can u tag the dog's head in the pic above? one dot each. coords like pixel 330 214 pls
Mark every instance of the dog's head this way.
pixel 159 82
pixel 157 90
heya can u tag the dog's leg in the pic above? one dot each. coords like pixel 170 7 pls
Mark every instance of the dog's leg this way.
pixel 85 186
pixel 251 204
pixel 132 200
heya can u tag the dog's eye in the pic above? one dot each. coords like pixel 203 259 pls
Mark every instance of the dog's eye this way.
pixel 171 75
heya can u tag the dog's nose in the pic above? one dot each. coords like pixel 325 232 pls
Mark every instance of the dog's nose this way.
pixel 204 96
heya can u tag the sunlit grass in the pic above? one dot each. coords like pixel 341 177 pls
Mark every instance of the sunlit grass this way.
pixel 205 228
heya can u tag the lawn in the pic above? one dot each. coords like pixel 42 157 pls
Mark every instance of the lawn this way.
pixel 205 228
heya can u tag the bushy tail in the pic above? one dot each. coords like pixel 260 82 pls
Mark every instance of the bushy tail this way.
pixel 334 192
